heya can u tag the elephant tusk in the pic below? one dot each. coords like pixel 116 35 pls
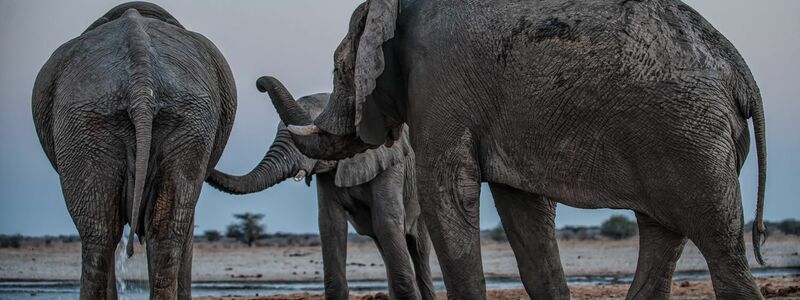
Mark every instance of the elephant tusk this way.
pixel 306 130
pixel 300 175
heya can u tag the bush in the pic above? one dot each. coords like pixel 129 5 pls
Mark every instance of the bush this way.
pixel 10 241
pixel 789 226
pixel 212 235
pixel 618 227
pixel 578 233
pixel 772 227
pixel 234 231
pixel 498 233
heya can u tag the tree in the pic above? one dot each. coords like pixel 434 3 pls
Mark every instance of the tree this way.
pixel 212 235
pixel 248 230
pixel 618 227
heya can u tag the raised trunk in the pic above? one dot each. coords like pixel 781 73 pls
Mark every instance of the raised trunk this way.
pixel 290 112
pixel 324 145
pixel 282 161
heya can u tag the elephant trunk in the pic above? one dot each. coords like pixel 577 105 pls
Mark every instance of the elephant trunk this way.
pixel 307 137
pixel 290 112
pixel 281 161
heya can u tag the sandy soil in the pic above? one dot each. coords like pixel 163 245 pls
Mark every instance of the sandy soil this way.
pixel 220 262
pixel 774 288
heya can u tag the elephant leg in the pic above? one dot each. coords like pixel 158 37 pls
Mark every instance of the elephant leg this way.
pixel 716 227
pixel 333 236
pixel 388 223
pixel 185 272
pixel 529 223
pixel 171 220
pixel 419 244
pixel 659 250
pixel 111 287
pixel 448 188
pixel 92 179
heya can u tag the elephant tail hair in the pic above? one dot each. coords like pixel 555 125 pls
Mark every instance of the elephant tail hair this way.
pixel 142 111
pixel 759 229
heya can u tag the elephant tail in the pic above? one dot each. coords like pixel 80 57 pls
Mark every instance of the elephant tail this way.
pixel 142 118
pixel 759 229
pixel 142 111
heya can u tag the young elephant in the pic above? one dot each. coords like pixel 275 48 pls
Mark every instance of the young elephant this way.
pixel 133 114
pixel 374 190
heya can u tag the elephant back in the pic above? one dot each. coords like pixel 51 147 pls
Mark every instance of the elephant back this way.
pixel 145 9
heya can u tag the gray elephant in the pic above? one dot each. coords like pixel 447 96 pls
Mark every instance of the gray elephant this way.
pixel 133 114
pixel 637 105
pixel 374 190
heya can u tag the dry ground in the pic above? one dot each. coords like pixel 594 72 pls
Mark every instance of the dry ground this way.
pixel 224 262
pixel 221 262
pixel 774 288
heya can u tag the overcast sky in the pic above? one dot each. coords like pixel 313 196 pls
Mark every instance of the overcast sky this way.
pixel 294 41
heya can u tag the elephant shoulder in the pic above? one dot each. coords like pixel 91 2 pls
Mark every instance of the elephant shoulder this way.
pixel 364 167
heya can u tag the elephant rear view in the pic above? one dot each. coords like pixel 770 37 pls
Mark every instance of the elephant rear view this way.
pixel 133 114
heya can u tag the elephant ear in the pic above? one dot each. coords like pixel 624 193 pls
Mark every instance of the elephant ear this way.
pixel 364 167
pixel 379 27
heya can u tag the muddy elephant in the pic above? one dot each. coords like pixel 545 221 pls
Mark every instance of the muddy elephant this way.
pixel 133 114
pixel 638 105
pixel 374 190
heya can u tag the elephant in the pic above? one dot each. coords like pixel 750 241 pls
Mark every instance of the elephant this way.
pixel 133 115
pixel 638 105
pixel 374 190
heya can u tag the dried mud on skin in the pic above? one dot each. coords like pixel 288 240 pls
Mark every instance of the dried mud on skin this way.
pixel 772 288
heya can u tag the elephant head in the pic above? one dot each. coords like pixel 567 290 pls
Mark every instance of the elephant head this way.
pixel 367 106
pixel 284 160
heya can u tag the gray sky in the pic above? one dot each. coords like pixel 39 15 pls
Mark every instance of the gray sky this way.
pixel 294 41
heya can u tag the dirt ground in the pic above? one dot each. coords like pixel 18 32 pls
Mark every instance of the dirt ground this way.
pixel 233 262
pixel 773 288
pixel 223 262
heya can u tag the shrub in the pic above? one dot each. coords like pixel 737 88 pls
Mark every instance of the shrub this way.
pixel 212 235
pixel 772 227
pixel 498 233
pixel 789 226
pixel 578 233
pixel 234 231
pixel 10 241
pixel 618 227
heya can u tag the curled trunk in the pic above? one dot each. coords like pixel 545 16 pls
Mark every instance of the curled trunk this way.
pixel 289 110
pixel 279 163
pixel 320 145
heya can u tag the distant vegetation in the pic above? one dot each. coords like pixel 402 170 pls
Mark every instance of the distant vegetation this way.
pixel 618 227
pixel 578 233
pixel 10 241
pixel 212 235
pixel 498 233
pixel 248 230
pixel 787 226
